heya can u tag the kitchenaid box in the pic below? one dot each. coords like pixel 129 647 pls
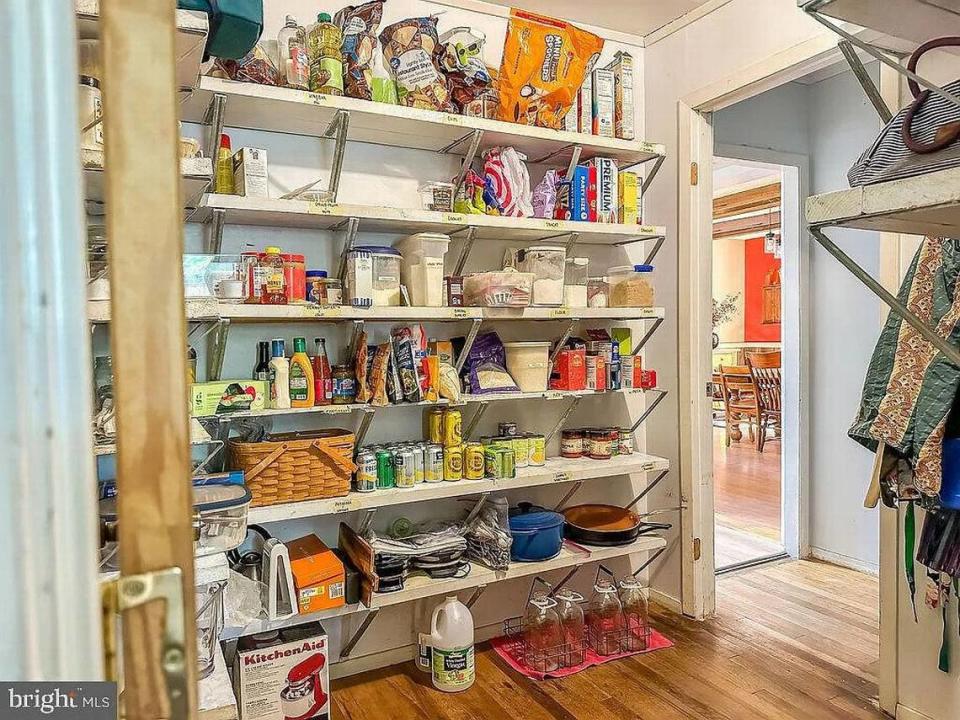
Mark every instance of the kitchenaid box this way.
pixel 283 675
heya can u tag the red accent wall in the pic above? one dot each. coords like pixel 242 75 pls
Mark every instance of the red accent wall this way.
pixel 756 265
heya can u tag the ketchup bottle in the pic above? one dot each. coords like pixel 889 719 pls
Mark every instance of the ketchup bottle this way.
pixel 322 377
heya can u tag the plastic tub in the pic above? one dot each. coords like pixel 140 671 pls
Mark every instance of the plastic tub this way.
pixel 499 288
pixel 547 263
pixel 421 269
pixel 529 365
pixel 537 533
pixel 436 196
pixel 598 292
pixel 373 276
pixel 630 286
pixel 575 280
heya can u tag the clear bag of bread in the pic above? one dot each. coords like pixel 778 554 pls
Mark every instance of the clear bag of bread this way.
pixel 544 63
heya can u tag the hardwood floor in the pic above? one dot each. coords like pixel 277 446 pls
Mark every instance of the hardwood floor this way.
pixel 792 641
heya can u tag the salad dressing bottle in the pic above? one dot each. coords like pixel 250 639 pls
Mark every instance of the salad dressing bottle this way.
pixel 301 376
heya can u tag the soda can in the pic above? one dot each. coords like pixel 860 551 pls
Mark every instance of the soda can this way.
pixel 385 476
pixel 452 428
pixel 507 429
pixel 453 463
pixel 509 464
pixel 435 426
pixel 433 463
pixel 493 463
pixel 537 447
pixel 521 451
pixel 474 463
pixel 418 462
pixel 366 478
pixel 403 473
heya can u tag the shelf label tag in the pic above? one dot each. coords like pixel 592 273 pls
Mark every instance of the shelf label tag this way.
pixel 452 119
pixel 329 312
pixel 458 218
pixel 319 98
pixel 553 395
pixel 321 208
pixel 561 476
pixel 459 313
pixel 551 224
pixel 560 312
pixel 346 505
pixel 338 409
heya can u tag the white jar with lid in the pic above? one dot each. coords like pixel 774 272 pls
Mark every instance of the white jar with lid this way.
pixel 547 263
pixel 575 282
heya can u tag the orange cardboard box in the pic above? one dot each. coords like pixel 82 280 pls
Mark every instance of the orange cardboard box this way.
pixel 317 574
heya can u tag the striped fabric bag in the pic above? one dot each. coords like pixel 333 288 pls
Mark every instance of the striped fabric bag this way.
pixel 920 139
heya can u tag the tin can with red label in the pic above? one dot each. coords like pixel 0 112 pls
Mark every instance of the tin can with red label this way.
pixel 648 379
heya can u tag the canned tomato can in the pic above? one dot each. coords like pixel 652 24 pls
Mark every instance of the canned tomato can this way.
pixel 473 461
pixel 538 450
pixel 418 462
pixel 385 477
pixel 452 428
pixel 453 463
pixel 403 467
pixel 366 478
pixel 493 463
pixel 507 429
pixel 433 463
pixel 521 451
pixel 435 426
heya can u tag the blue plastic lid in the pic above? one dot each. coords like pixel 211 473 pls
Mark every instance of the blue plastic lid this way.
pixel 377 249
pixel 539 520
pixel 643 268
pixel 316 273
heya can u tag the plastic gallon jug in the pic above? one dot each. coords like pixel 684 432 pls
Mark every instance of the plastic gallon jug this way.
pixel 451 634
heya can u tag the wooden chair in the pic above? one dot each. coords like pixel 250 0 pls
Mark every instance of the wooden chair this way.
pixel 739 400
pixel 765 370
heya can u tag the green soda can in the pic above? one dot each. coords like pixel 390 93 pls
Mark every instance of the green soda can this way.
pixel 385 478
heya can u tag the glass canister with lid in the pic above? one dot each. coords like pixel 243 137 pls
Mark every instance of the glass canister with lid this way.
pixel 548 264
pixel 630 286
pixel 575 281
pixel 373 276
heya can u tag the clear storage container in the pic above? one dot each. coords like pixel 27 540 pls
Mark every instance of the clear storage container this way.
pixel 630 286
pixel 373 276
pixel 575 282
pixel 547 263
pixel 436 196
pixel 421 269
pixel 598 292
pixel 499 288
pixel 529 364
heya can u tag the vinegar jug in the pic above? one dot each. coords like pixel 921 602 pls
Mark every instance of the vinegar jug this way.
pixel 451 634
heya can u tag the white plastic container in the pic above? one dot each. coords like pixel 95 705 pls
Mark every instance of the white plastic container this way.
pixel 547 263
pixel 630 286
pixel 373 276
pixel 421 268
pixel 451 637
pixel 575 282
pixel 498 288
pixel 529 365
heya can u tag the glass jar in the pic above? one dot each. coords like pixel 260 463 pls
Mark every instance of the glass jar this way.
pixel 636 615
pixel 571 444
pixel 625 444
pixel 605 620
pixel 436 196
pixel 542 634
pixel 602 442
pixel 598 292
pixel 547 264
pixel 575 282
pixel 573 627
pixel 344 385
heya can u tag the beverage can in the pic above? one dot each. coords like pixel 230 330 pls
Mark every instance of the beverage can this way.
pixel 366 477
pixel 418 462
pixel 453 463
pixel 435 426
pixel 537 450
pixel 452 428
pixel 403 473
pixel 385 475
pixel 509 464
pixel 433 463
pixel 474 464
pixel 493 463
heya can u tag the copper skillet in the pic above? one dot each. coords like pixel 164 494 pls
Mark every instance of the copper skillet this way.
pixel 606 525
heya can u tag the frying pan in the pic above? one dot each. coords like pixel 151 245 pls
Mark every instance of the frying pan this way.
pixel 606 525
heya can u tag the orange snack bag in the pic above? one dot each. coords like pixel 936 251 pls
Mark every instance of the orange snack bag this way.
pixel 544 63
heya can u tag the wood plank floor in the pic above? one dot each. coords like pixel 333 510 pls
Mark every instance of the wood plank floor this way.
pixel 793 641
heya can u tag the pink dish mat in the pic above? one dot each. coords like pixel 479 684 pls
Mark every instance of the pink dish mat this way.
pixel 502 647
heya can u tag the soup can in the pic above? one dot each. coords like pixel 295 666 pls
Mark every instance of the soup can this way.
pixel 433 463
pixel 452 428
pixel 366 478
pixel 385 476
pixel 453 463
pixel 435 426
pixel 538 450
pixel 521 451
pixel 507 428
pixel 403 473
pixel 473 461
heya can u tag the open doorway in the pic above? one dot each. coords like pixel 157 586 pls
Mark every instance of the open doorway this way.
pixel 749 500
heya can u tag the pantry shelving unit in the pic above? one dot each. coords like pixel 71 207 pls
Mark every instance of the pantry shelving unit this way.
pixel 196 174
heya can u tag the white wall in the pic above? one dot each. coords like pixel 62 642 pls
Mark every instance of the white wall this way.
pixel 776 120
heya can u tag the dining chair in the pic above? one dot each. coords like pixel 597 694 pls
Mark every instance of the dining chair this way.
pixel 739 400
pixel 765 370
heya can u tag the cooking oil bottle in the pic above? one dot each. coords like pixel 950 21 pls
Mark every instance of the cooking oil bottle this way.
pixel 326 59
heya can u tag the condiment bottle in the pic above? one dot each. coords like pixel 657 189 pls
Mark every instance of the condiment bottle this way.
pixel 261 370
pixel 301 376
pixel 223 182
pixel 274 288
pixel 326 60
pixel 322 377
pixel 292 48
pixel 279 377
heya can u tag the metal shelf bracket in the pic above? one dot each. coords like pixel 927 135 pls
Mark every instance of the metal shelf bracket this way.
pixel 650 561
pixel 215 231
pixel 475 420
pixel 356 637
pixel 465 250
pixel 214 118
pixel 570 493
pixel 647 336
pixel 562 341
pixel 475 596
pixel 216 347
pixel 475 137
pixel 564 580
pixel 653 252
pixel 648 488
pixel 652 174
pixel 353 225
pixel 866 82
pixel 563 418
pixel 468 343
pixel 365 423
pixel 661 394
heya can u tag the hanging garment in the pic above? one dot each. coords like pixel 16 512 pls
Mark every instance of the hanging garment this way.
pixel 910 387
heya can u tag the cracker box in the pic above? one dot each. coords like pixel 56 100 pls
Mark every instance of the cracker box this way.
pixel 570 370
pixel 317 575
pixel 288 677
pixel 628 193
pixel 250 172
pixel 602 105
pixel 222 397
pixel 585 105
pixel 622 69
pixel 608 204
pixel 572 196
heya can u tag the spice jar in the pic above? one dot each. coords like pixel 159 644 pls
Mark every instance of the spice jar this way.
pixel 344 385
pixel 571 444
pixel 625 444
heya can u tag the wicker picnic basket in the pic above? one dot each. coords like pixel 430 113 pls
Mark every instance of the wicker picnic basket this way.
pixel 291 467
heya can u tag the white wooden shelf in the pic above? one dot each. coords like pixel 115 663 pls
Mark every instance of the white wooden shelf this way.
pixel 915 20
pixel 263 107
pixel 923 205
pixel 269 212
pixel 554 471
pixel 196 174
pixel 418 585
pixel 198 436
pixel 574 313
pixel 98 311
pixel 191 37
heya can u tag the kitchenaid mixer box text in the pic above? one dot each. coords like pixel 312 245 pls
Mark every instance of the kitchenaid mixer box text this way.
pixel 285 677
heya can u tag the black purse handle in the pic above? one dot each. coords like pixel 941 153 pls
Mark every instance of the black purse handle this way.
pixel 920 97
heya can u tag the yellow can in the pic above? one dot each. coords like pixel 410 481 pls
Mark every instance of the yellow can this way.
pixel 452 428
pixel 474 462
pixel 435 426
pixel 453 463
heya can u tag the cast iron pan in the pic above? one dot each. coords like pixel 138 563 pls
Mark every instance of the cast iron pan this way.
pixel 605 525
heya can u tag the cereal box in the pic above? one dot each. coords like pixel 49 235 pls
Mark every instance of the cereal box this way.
pixel 622 69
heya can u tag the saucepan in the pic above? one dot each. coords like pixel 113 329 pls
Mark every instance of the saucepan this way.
pixel 607 525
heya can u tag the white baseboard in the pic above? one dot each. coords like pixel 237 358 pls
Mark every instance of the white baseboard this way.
pixel 845 561
pixel 905 713
pixel 668 601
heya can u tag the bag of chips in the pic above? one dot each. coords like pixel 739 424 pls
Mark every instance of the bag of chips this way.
pixel 506 173
pixel 544 63
pixel 459 55
pixel 409 52
pixel 359 26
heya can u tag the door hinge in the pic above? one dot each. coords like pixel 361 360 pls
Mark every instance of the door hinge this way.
pixel 694 174
pixel 696 549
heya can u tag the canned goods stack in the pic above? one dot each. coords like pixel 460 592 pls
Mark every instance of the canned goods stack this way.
pixel 397 465
pixel 596 443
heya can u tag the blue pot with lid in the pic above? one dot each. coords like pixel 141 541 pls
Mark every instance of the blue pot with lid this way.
pixel 537 533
